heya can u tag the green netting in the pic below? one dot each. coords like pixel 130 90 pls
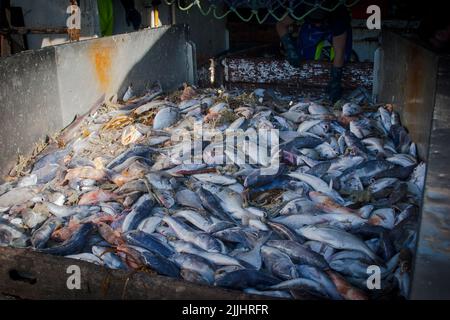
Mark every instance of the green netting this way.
pixel 278 9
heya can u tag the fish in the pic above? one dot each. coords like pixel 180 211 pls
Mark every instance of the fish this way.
pixel 32 219
pixel 337 239
pixel 212 204
pixel 193 276
pixel 296 221
pixel 246 278
pixel 200 239
pixel 319 185
pixel 74 244
pixel 11 235
pixel 215 178
pixel 132 186
pixel 269 293
pixel 298 253
pixel 65 211
pixel 257 179
pixel 165 118
pixel 86 173
pixel 401 138
pixel 345 289
pixel 351 109
pixel 350 267
pixel 140 210
pixel 149 242
pixel 278 263
pixel 235 235
pixel 96 196
pixel 108 258
pixel 160 264
pixel 17 196
pixel 318 275
pixel 302 284
pixel 196 264
pixel 254 257
pixel 326 204
pixel 233 203
pixel 298 206
pixel 86 256
pixel 40 237
pixel 149 224
pixel 153 184
pixel 135 151
pixel 189 198
pixel 195 219
pixel 214 257
pixel 355 145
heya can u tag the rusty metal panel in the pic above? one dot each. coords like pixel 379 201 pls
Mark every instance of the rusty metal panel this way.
pixel 408 80
pixel 432 264
pixel 108 65
pixel 29 103
pixel 280 72
pixel 417 81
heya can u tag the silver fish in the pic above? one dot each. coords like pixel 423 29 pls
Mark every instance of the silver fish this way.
pixel 337 239
pixel 200 239
pixel 165 118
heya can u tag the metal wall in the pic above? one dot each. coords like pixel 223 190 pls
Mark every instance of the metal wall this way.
pixel 88 69
pixel 417 81
pixel 43 90
pixel 408 80
pixel 29 103
pixel 432 265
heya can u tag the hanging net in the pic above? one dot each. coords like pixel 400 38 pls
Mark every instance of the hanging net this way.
pixel 277 9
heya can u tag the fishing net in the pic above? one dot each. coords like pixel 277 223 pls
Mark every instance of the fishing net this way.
pixel 277 9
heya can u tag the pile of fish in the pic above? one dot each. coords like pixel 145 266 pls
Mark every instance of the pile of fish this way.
pixel 341 210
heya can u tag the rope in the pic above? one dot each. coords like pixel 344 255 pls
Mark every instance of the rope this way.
pixel 272 7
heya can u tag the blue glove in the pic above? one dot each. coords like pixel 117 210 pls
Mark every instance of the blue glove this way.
pixel 334 86
pixel 291 51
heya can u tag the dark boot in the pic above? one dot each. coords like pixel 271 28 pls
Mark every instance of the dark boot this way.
pixel 335 85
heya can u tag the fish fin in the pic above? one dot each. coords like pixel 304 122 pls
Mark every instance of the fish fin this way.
pixel 255 252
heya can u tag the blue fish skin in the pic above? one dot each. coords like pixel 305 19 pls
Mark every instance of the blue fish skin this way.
pixel 136 151
pixel 303 142
pixel 110 259
pixel 256 179
pixel 114 262
pixel 74 244
pixel 246 278
pixel 160 264
pixel 140 210
pixel 51 158
pixel 149 242
pixel 320 276
pixel 211 203
pixel 278 183
pixel 42 235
